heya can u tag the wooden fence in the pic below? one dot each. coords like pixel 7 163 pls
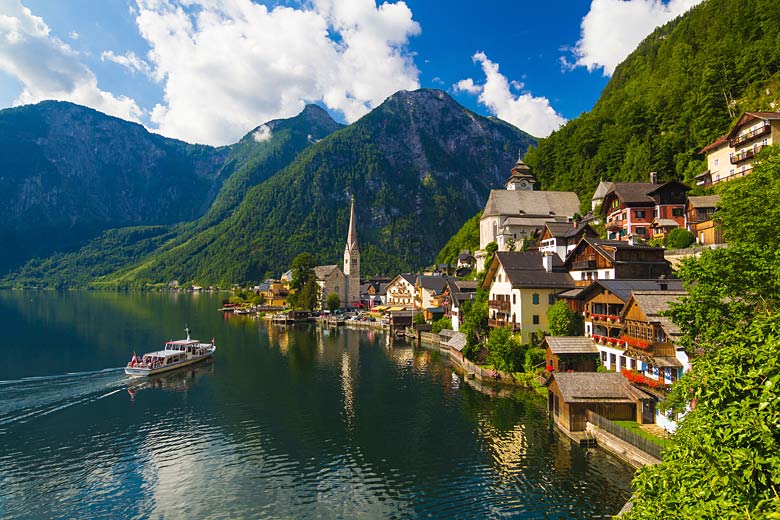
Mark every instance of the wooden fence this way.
pixel 625 434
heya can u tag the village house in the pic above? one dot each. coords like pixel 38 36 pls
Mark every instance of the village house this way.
pixel 401 291
pixel 277 293
pixel 731 156
pixel 644 210
pixel 610 395
pixel 428 295
pixel 373 293
pixel 598 196
pixel 518 213
pixel 522 286
pixel 455 294
pixel 562 237
pixel 596 259
pixel 699 212
pixel 570 354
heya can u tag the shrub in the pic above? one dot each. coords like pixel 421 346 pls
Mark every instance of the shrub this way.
pixel 679 239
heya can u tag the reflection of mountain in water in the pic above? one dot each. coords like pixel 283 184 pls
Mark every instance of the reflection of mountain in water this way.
pixel 179 380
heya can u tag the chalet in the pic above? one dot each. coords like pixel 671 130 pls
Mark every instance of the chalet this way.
pixel 732 155
pixel 561 237
pixel 518 213
pixel 631 209
pixel 610 395
pixel 699 212
pixel 455 294
pixel 428 295
pixel 570 354
pixel 596 259
pixel 603 302
pixel 522 286
pixel 374 292
pixel 400 291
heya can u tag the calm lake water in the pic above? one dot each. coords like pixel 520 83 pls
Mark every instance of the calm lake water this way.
pixel 285 423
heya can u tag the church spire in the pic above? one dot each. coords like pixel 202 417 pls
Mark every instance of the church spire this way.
pixel 352 235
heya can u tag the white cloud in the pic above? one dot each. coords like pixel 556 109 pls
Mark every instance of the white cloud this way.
pixel 73 35
pixel 226 65
pixel 535 115
pixel 263 133
pixel 128 60
pixel 48 68
pixel 612 29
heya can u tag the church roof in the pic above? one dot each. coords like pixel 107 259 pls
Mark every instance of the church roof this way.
pixel 521 203
pixel 323 271
pixel 352 234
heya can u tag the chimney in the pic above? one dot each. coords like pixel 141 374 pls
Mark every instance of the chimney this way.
pixel 547 261
pixel 653 177
pixel 662 282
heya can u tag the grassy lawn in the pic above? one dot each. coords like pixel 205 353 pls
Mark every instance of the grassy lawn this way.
pixel 634 427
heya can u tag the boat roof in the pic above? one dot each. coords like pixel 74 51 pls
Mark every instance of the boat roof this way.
pixel 182 342
pixel 163 353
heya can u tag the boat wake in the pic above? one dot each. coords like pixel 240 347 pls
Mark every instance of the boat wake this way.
pixel 25 399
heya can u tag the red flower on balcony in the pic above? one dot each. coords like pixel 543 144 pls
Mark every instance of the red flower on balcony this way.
pixel 640 379
pixel 642 344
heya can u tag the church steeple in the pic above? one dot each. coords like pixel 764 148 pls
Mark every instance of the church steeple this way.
pixel 521 177
pixel 352 260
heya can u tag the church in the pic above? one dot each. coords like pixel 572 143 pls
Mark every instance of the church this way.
pixel 346 283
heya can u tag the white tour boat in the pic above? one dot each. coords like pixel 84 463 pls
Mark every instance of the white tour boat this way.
pixel 175 354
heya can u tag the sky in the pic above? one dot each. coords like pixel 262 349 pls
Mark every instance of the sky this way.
pixel 209 71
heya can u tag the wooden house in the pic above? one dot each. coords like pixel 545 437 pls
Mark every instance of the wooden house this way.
pixel 605 393
pixel 561 237
pixel 596 259
pixel 570 354
pixel 699 213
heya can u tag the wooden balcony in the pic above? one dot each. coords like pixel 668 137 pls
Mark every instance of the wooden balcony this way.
pixel 583 265
pixel 747 154
pixel 497 323
pixel 607 319
pixel 500 305
pixel 762 130
pixel 614 225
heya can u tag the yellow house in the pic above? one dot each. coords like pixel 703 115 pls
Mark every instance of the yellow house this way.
pixel 731 156
pixel 522 286
pixel 277 293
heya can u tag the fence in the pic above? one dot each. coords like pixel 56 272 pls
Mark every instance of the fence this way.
pixel 630 437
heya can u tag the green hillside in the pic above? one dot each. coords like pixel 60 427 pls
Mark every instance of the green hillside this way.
pixel 678 91
pixel 419 166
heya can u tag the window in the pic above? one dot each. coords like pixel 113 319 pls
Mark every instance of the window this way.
pixel 535 319
pixel 551 299
pixel 640 213
pixel 641 230
pixel 677 212
pixel 535 299
pixel 514 298
pixel 715 163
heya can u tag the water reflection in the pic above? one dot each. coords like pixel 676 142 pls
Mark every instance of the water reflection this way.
pixel 179 380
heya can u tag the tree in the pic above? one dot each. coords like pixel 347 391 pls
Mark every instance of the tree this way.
pixel 725 460
pixel 302 270
pixel 505 353
pixel 442 324
pixel 475 323
pixel 305 291
pixel 563 321
pixel 679 238
pixel 418 319
pixel 333 302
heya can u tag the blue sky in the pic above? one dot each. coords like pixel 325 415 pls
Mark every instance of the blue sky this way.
pixel 209 71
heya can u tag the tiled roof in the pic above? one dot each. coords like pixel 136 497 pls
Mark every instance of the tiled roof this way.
pixel 525 269
pixel 704 201
pixel 653 303
pixel 531 203
pixel 432 283
pixel 623 288
pixel 716 143
pixel 571 345
pixel 323 271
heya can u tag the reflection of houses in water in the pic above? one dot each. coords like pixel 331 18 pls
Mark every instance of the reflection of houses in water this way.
pixel 179 380
pixel 509 448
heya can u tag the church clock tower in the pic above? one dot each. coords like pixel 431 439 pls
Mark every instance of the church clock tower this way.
pixel 352 261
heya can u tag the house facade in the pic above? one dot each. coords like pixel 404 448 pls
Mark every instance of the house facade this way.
pixel 596 259
pixel 562 237
pixel 456 293
pixel 643 210
pixel 521 288
pixel 699 212
pixel 731 156
pixel 400 291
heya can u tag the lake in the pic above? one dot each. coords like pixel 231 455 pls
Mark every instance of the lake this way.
pixel 298 423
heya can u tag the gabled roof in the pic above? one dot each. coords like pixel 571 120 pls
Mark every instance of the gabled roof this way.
pixel 602 189
pixel 569 230
pixel 408 277
pixel 715 144
pixel 462 285
pixel 589 387
pixel 653 304
pixel 623 288
pixel 522 203
pixel 704 201
pixel 432 283
pixel 638 193
pixel 607 248
pixel 323 271
pixel 524 269
pixel 747 117
pixel 570 345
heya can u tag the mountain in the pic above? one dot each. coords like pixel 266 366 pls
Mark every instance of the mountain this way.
pixel 419 165
pixel 68 172
pixel 682 87
pixel 256 157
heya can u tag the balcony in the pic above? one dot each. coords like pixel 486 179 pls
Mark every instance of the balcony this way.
pixel 605 318
pixel 497 323
pixel 747 154
pixel 762 130
pixel 583 265
pixel 499 305
pixel 642 344
pixel 608 341
pixel 615 224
